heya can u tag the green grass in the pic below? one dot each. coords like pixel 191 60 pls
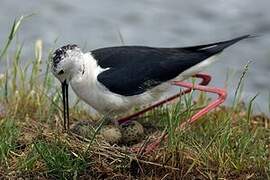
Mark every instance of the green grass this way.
pixel 230 142
pixel 8 134
pixel 59 160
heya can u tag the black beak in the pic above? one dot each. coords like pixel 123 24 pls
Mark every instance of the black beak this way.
pixel 65 104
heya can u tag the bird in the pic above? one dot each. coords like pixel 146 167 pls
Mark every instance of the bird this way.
pixel 113 80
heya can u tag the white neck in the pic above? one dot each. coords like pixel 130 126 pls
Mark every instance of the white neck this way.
pixel 90 68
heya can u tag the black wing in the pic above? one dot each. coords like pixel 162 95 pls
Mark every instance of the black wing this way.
pixel 134 69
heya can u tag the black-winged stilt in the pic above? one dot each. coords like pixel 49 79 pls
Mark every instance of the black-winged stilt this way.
pixel 115 79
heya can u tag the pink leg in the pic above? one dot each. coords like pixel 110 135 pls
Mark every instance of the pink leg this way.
pixel 202 87
pixel 222 94
pixel 205 81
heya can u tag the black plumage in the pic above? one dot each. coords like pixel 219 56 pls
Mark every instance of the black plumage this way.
pixel 61 52
pixel 135 69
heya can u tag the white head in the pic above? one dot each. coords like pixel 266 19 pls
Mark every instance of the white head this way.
pixel 67 62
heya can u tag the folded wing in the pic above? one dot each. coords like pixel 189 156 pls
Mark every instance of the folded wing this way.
pixel 134 69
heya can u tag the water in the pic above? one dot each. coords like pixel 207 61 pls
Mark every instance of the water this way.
pixel 93 24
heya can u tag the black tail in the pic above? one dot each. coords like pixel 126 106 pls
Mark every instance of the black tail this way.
pixel 222 45
pixel 218 46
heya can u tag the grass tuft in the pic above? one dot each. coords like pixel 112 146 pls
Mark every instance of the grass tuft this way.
pixel 59 161
pixel 8 135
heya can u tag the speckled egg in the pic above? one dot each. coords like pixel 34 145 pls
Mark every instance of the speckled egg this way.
pixel 132 132
pixel 111 134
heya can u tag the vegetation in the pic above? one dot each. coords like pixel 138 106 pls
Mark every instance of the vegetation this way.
pixel 230 142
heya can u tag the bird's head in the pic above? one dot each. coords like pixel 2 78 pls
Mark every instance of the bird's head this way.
pixel 66 62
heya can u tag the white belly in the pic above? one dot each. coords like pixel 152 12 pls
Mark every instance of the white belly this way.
pixel 106 102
